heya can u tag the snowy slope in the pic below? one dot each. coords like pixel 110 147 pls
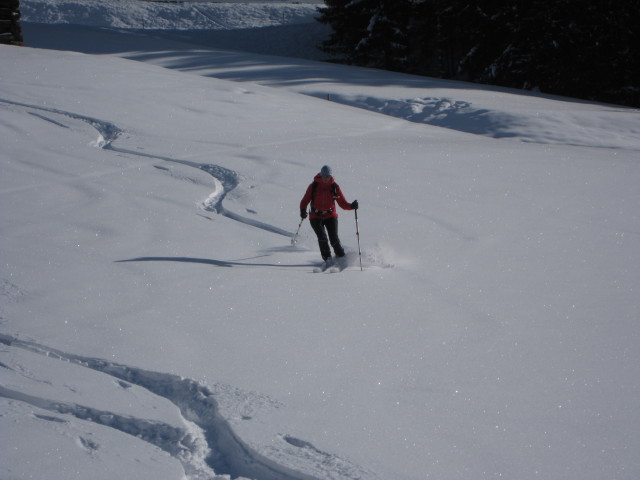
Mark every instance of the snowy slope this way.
pixel 157 322
pixel 285 28
pixel 183 15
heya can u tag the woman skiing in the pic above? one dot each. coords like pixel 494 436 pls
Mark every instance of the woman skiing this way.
pixel 323 193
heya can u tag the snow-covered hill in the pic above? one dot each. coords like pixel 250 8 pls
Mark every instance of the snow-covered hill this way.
pixel 285 28
pixel 157 323
pixel 189 15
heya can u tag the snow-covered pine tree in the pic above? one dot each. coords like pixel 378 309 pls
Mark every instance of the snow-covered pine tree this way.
pixel 368 32
pixel 348 21
pixel 385 43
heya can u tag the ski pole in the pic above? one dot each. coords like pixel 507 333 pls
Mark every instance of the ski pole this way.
pixel 294 239
pixel 358 235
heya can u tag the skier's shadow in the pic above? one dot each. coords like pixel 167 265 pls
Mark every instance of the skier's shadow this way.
pixel 215 263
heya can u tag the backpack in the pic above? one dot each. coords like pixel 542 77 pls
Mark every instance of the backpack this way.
pixel 314 187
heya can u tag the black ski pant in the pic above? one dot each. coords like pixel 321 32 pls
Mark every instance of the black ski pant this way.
pixel 322 227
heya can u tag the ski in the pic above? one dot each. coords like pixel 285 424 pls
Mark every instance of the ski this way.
pixel 338 265
pixel 326 266
pixel 337 268
pixel 333 266
pixel 321 268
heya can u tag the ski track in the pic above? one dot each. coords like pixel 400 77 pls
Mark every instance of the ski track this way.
pixel 107 131
pixel 207 446
pixel 187 447
pixel 225 180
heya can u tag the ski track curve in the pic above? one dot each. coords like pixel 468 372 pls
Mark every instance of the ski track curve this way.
pixel 225 180
pixel 208 449
pixel 108 132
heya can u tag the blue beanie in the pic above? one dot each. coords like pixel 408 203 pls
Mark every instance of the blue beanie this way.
pixel 325 171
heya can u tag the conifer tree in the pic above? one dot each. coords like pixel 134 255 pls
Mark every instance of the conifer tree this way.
pixel 348 21
pixel 385 42
pixel 10 30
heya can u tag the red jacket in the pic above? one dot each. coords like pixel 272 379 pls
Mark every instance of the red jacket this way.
pixel 324 201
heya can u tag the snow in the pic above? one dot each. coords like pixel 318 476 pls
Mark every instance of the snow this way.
pixel 135 14
pixel 284 28
pixel 157 323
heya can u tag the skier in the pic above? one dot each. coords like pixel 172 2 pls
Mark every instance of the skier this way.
pixel 322 193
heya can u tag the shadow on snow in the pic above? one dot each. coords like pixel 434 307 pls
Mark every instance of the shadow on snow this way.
pixel 215 263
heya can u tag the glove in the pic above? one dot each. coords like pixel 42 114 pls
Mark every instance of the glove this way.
pixel 303 214
pixel 354 204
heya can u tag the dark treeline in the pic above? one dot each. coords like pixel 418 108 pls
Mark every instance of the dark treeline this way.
pixel 10 29
pixel 587 49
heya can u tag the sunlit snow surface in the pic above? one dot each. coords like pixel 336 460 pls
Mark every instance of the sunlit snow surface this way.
pixel 156 321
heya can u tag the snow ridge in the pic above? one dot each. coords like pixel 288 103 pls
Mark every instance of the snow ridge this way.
pixel 209 446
